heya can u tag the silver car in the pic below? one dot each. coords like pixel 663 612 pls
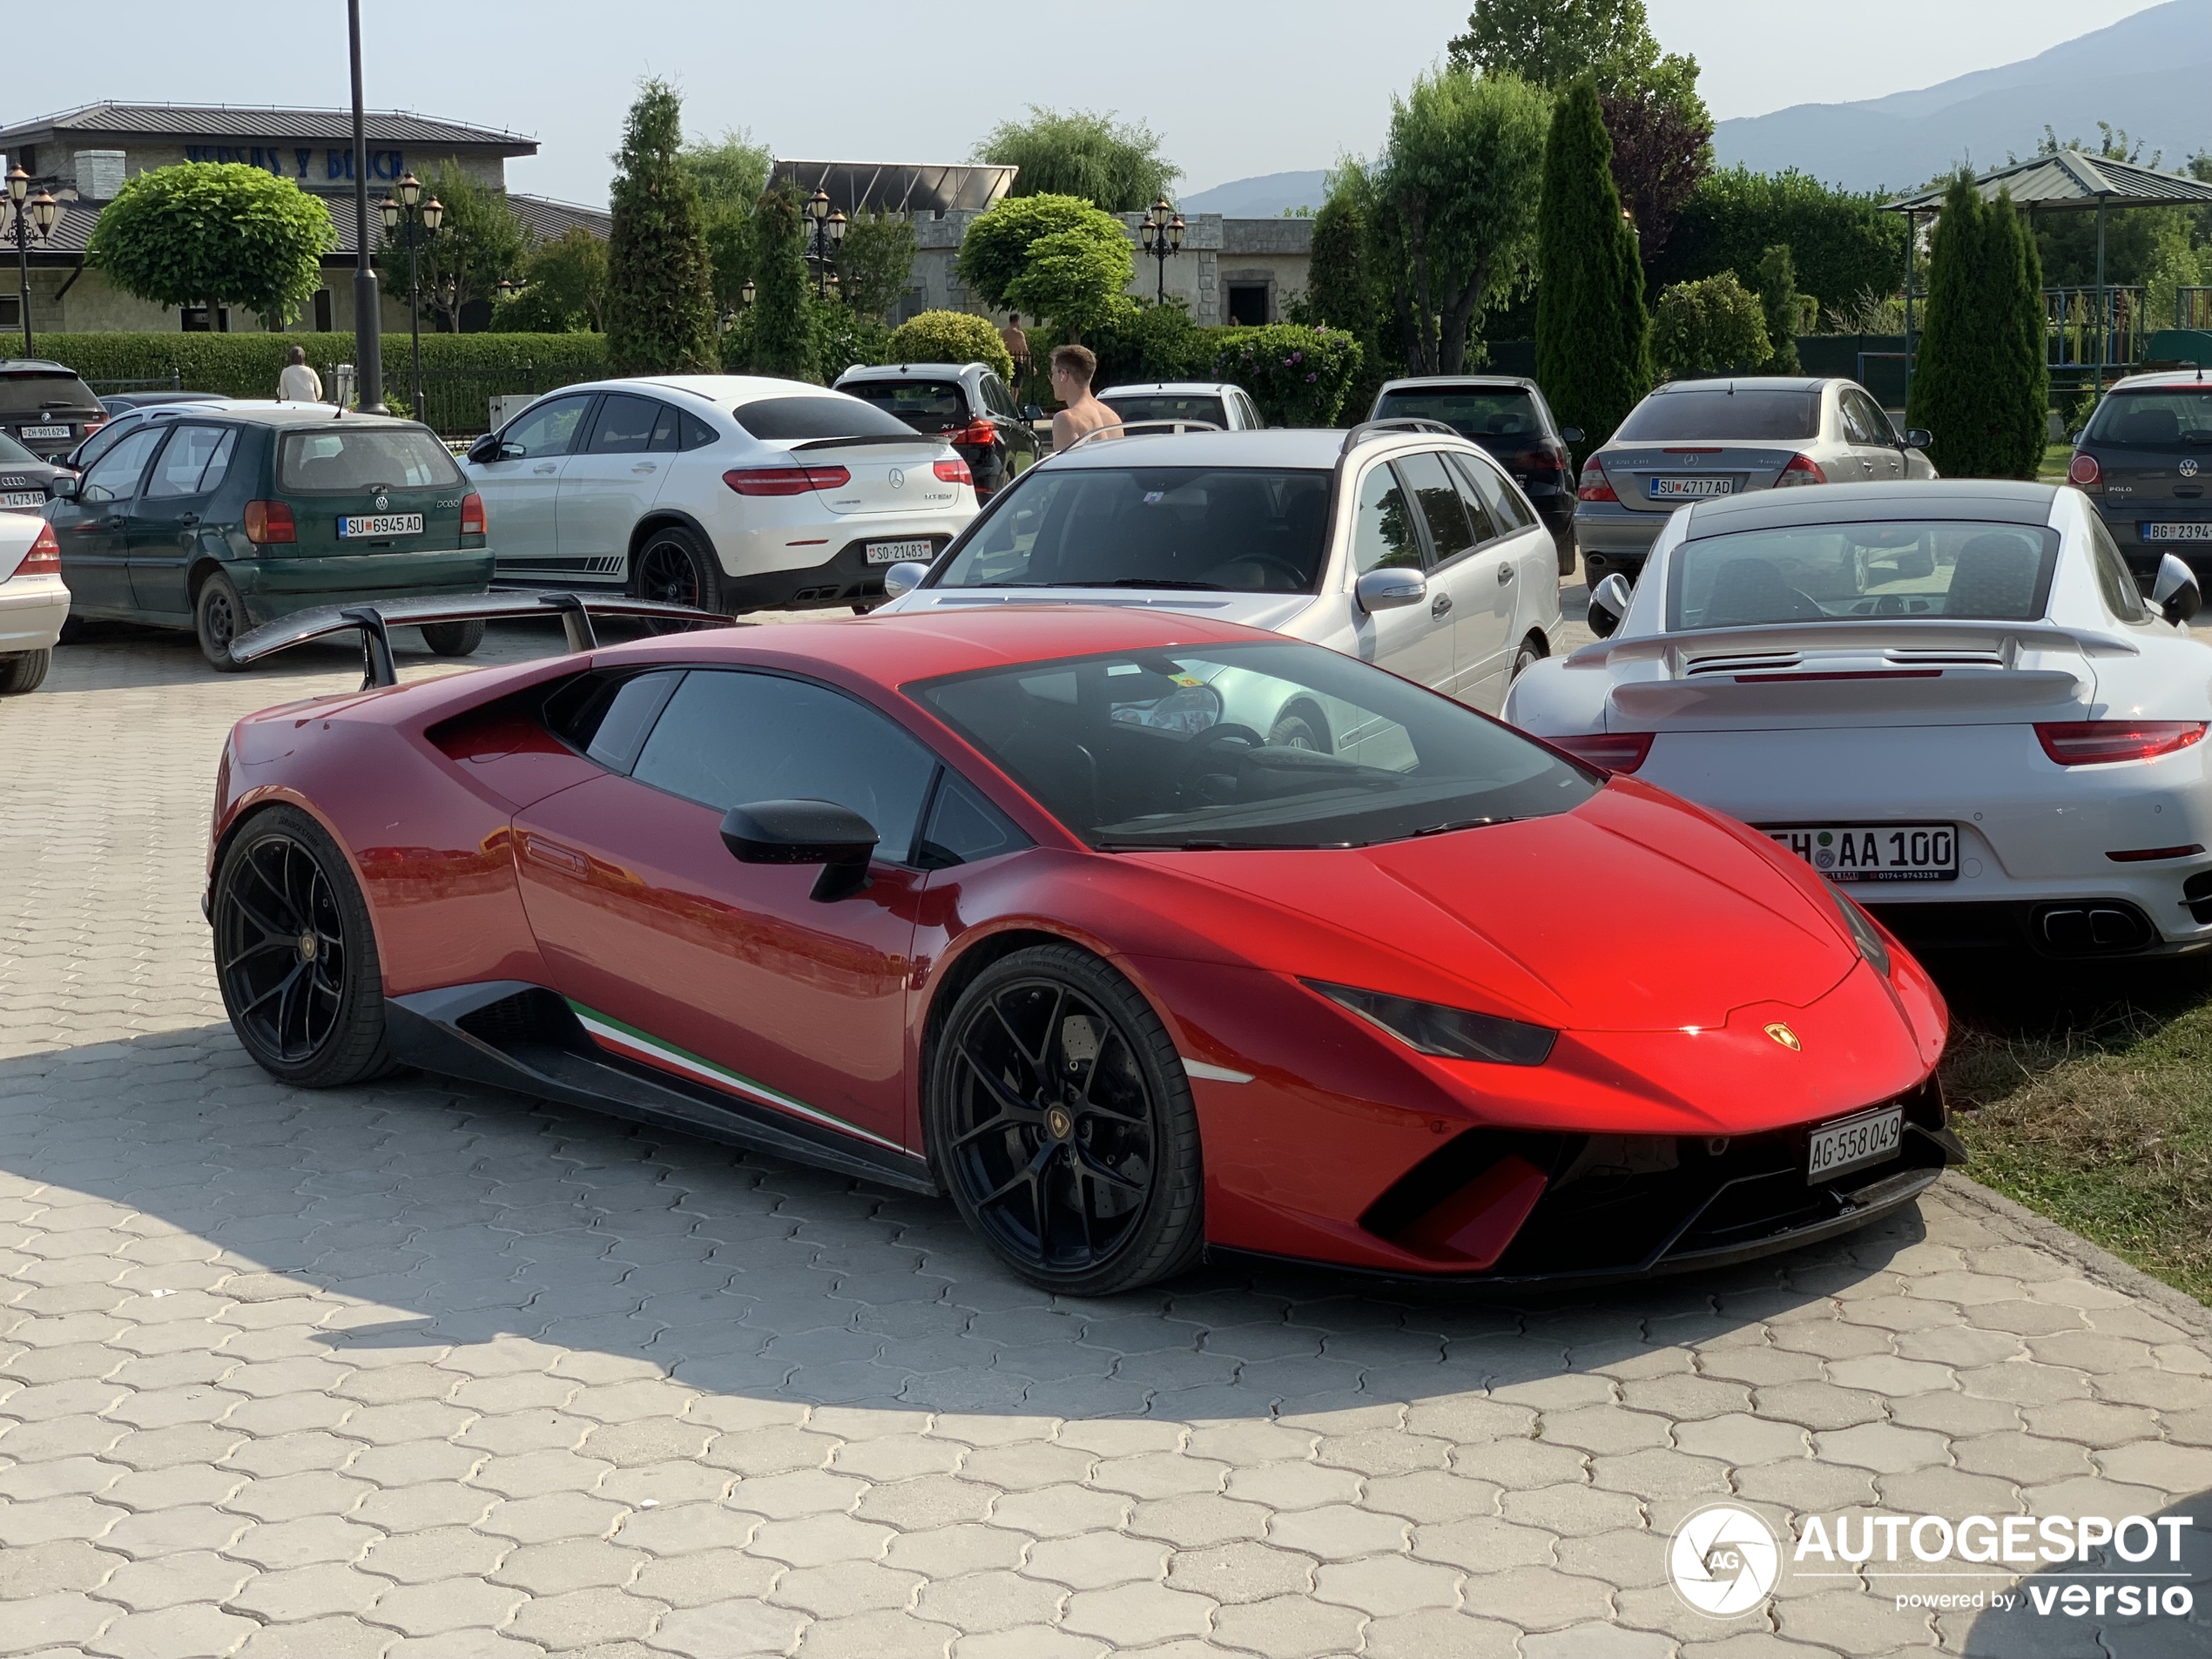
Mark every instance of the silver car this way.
pixel 1695 439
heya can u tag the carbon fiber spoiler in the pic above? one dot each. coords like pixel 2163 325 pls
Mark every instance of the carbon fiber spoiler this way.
pixel 375 620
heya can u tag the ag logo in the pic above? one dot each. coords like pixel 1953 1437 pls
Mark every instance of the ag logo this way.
pixel 898 478
pixel 1724 1561
pixel 2189 467
pixel 1783 1035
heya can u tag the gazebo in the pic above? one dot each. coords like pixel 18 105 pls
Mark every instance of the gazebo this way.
pixel 2065 181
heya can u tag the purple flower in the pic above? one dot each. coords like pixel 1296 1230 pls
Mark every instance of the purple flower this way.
pixel 1313 377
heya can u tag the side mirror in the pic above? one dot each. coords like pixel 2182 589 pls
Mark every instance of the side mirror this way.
pixel 903 579
pixel 2175 592
pixel 1032 412
pixel 804 832
pixel 1570 435
pixel 1917 437
pixel 1388 589
pixel 485 448
pixel 62 487
pixel 1609 603
pixel 2075 436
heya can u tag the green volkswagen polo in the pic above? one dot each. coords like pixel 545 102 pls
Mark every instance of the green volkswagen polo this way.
pixel 225 518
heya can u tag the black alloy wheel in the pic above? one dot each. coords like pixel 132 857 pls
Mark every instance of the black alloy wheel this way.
pixel 295 956
pixel 675 568
pixel 1062 1121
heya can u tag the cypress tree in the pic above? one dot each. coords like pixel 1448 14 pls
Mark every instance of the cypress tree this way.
pixel 1593 330
pixel 1958 384
pixel 660 296
pixel 783 332
pixel 2018 282
pixel 1778 301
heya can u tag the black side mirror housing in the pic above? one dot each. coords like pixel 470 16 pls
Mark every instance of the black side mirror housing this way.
pixel 485 448
pixel 1570 435
pixel 62 487
pixel 1609 603
pixel 2175 592
pixel 1917 437
pixel 805 832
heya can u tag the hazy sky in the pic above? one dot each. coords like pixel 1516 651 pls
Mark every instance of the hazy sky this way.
pixel 1237 89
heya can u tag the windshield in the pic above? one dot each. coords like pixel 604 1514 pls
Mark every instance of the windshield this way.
pixel 834 416
pixel 1489 415
pixel 1828 572
pixel 357 457
pixel 1747 414
pixel 1272 745
pixel 28 393
pixel 1165 406
pixel 1235 529
pixel 2166 419
pixel 926 405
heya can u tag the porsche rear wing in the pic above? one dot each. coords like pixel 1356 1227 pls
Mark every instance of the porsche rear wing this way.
pixel 376 619
pixel 1874 634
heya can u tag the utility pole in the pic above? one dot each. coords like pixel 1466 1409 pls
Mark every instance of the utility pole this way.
pixel 368 318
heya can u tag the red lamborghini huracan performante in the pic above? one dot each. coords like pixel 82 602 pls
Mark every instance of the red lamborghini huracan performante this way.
pixel 1137 934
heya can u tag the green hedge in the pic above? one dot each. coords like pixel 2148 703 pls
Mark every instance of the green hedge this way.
pixel 1299 376
pixel 247 365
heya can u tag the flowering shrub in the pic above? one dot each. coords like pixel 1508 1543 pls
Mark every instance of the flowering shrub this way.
pixel 1297 377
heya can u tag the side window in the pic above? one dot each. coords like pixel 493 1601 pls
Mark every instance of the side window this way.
pixel 1449 532
pixel 1252 413
pixel 623 426
pixel 2122 597
pixel 729 736
pixel 192 462
pixel 550 428
pixel 1875 417
pixel 1383 536
pixel 964 827
pixel 1855 426
pixel 1508 509
pixel 114 476
pixel 1487 527
pixel 697 433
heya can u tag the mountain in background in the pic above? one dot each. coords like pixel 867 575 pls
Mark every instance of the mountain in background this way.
pixel 2149 73
pixel 1269 195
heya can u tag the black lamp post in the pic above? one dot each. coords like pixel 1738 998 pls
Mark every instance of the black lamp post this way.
pixel 1162 232
pixel 31 219
pixel 416 214
pixel 369 311
pixel 829 233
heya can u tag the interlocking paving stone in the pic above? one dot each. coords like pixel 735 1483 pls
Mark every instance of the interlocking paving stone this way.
pixel 424 1371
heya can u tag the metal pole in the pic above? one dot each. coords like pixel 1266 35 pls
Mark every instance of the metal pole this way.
pixel 369 319
pixel 414 314
pixel 23 277
pixel 2104 303
pixel 1912 239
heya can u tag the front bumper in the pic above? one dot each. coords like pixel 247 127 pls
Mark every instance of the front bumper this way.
pixel 32 609
pixel 277 587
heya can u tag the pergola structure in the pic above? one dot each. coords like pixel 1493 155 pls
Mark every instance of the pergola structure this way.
pixel 2065 181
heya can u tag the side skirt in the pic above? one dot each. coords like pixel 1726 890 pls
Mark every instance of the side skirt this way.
pixel 516 1036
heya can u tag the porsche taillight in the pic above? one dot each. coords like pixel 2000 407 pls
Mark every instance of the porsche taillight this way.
pixel 2097 743
pixel 1613 751
pixel 45 555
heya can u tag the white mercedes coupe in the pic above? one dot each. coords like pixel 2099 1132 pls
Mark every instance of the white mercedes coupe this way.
pixel 1950 695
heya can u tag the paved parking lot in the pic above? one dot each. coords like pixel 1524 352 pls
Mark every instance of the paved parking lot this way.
pixel 429 1371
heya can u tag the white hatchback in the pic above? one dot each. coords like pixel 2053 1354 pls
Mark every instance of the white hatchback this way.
pixel 1950 696
pixel 729 492
pixel 1217 403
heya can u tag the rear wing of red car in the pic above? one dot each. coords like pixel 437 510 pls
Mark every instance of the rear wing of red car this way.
pixel 376 619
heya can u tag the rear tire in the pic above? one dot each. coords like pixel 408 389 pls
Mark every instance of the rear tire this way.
pixel 23 671
pixel 219 617
pixel 676 567
pixel 452 638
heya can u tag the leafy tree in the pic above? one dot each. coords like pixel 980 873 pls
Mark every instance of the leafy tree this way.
pixel 948 337
pixel 564 288
pixel 478 245
pixel 660 305
pixel 876 261
pixel 1709 326
pixel 730 172
pixel 1073 276
pixel 1662 145
pixel 1593 334
pixel 1552 43
pixel 844 337
pixel 1780 306
pixel 1459 178
pixel 1340 281
pixel 1980 386
pixel 996 249
pixel 1844 244
pixel 1139 339
pixel 1113 164
pixel 214 233
pixel 783 340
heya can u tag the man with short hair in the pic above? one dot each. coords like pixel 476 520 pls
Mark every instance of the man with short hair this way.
pixel 298 383
pixel 1072 367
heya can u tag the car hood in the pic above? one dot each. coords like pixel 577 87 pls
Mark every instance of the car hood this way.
pixel 1272 612
pixel 1636 912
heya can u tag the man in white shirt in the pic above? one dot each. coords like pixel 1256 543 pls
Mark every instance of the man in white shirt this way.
pixel 298 383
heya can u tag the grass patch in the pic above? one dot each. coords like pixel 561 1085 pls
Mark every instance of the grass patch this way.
pixel 2057 457
pixel 2099 1115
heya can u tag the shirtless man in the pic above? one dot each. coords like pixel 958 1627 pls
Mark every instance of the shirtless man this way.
pixel 1072 367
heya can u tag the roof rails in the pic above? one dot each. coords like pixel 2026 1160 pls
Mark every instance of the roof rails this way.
pixel 1367 429
pixel 1135 428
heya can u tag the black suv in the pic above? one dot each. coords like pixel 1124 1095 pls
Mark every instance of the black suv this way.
pixel 2145 458
pixel 1508 417
pixel 46 409
pixel 966 404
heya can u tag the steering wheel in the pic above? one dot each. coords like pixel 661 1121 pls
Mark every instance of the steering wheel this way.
pixel 1293 577
pixel 1804 607
pixel 1226 732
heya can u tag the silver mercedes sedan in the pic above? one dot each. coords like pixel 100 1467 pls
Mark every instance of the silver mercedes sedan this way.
pixel 1693 441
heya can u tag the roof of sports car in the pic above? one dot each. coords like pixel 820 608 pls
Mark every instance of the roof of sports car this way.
pixel 2002 501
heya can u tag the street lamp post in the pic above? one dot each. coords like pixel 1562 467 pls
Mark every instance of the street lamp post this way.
pixel 29 219
pixel 1162 231
pixel 412 211
pixel 368 316
pixel 829 234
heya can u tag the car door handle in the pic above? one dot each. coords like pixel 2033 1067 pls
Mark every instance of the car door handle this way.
pixel 644 466
pixel 1505 574
pixel 554 856
pixel 548 466
pixel 113 522
pixel 188 518
pixel 1439 605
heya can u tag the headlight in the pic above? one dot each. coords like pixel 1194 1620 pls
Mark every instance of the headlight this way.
pixel 1863 932
pixel 1453 1033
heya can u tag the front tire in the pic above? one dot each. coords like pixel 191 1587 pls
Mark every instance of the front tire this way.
pixel 676 567
pixel 23 671
pixel 1530 653
pixel 1059 1115
pixel 452 638
pixel 219 617
pixel 295 956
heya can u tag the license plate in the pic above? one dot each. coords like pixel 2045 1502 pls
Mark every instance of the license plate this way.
pixel 22 498
pixel 1690 489
pixel 45 432
pixel 1849 1141
pixel 2178 532
pixel 1876 851
pixel 899 552
pixel 382 524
